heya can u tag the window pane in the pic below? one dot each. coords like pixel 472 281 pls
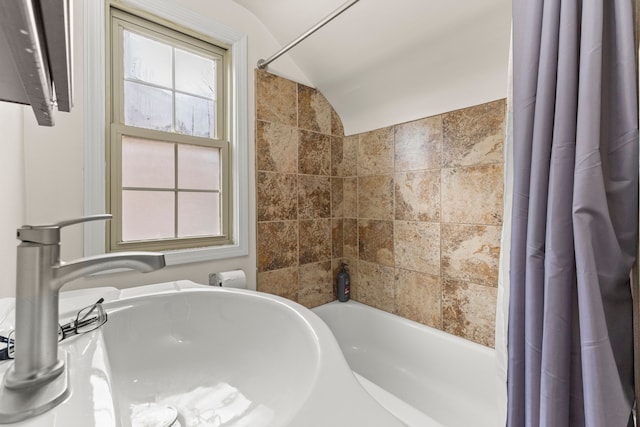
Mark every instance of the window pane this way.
pixel 147 60
pixel 147 215
pixel 198 167
pixel 147 163
pixel 195 116
pixel 198 214
pixel 147 107
pixel 195 74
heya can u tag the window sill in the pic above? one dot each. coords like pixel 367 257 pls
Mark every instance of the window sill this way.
pixel 211 253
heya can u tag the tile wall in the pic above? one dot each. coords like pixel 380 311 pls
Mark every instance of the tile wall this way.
pixel 298 211
pixel 415 209
pixel 423 215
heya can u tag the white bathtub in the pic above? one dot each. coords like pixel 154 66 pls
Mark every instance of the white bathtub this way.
pixel 422 375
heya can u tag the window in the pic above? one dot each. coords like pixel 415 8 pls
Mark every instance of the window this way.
pixel 169 152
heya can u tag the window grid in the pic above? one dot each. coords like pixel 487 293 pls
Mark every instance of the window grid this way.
pixel 176 189
pixel 173 87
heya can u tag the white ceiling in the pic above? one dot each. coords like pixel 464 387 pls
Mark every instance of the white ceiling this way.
pixel 384 62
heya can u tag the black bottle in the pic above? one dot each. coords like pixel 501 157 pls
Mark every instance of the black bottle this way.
pixel 343 284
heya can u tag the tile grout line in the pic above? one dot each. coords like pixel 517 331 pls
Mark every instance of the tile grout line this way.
pixel 440 217
pixel 299 284
pixel 393 218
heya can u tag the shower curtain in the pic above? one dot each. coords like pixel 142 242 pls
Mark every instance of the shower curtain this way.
pixel 575 213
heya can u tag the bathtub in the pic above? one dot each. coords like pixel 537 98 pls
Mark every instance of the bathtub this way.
pixel 423 376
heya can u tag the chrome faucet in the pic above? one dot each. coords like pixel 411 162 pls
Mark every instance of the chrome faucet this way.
pixel 37 381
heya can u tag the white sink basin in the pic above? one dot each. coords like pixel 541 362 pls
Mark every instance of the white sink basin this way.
pixel 195 355
pixel 217 357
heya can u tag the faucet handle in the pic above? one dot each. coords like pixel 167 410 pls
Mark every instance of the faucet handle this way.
pixel 50 234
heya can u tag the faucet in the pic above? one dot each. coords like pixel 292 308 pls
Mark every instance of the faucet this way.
pixel 38 380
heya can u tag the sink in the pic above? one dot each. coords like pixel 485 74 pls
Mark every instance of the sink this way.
pixel 181 354
pixel 218 358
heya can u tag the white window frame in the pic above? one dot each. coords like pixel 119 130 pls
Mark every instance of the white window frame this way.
pixel 95 13
pixel 124 20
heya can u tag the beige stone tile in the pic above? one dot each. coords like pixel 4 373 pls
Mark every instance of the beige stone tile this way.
pixel 276 99
pixel 276 196
pixel 375 197
pixel 471 253
pixel 337 155
pixel 314 153
pixel 314 196
pixel 418 144
pixel 316 287
pixel 375 241
pixel 417 196
pixel 336 124
pixel 418 297
pixel 350 198
pixel 375 152
pixel 315 241
pixel 314 111
pixel 468 311
pixel 350 236
pixel 277 147
pixel 417 246
pixel 277 245
pixel 350 156
pixel 472 195
pixel 376 286
pixel 280 282
pixel 337 238
pixel 474 135
pixel 337 197
pixel 344 152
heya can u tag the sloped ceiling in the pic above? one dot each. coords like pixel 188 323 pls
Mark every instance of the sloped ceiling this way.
pixel 384 62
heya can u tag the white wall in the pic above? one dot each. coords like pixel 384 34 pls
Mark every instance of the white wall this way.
pixel 54 156
pixel 384 62
pixel 11 192
pixel 464 64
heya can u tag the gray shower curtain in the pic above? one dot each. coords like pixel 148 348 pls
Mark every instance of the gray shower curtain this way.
pixel 575 213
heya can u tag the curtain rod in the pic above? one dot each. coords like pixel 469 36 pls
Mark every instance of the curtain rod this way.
pixel 262 63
